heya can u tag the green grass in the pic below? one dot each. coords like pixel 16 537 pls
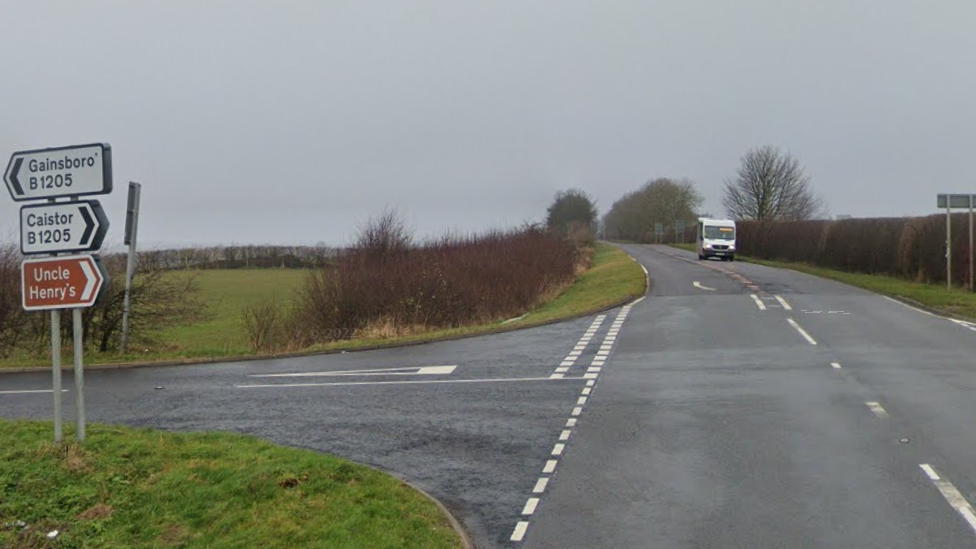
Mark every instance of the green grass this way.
pixel 145 489
pixel 227 292
pixel 612 278
pixel 956 302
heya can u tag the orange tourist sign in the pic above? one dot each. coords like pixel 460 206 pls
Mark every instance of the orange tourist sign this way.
pixel 61 282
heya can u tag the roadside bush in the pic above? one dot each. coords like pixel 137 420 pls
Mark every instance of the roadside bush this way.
pixel 913 248
pixel 262 325
pixel 13 319
pixel 384 285
pixel 159 299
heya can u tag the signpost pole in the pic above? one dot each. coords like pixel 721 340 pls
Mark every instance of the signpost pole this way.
pixel 971 262
pixel 131 230
pixel 949 243
pixel 56 370
pixel 79 374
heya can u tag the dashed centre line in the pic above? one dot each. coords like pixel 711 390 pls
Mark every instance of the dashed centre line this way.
pixel 803 332
pixel 877 409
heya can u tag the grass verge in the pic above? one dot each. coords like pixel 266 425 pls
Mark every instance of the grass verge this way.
pixel 612 278
pixel 139 488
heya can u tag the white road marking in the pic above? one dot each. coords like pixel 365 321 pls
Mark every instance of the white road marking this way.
pixel 581 401
pixel 877 409
pixel 759 303
pixel 557 450
pixel 835 365
pixel 916 309
pixel 404 371
pixel 594 369
pixel 951 495
pixel 414 382
pixel 571 422
pixel 557 376
pixel 564 436
pixel 586 390
pixel 550 467
pixel 577 411
pixel 930 471
pixel 40 391
pixel 520 528
pixel 802 331
pixel 700 287
pixel 562 370
pixel 566 363
pixel 589 376
pixel 574 354
pixel 540 485
pixel 590 383
pixel 783 303
pixel 530 506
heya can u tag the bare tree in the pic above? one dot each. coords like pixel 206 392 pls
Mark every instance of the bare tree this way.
pixel 771 185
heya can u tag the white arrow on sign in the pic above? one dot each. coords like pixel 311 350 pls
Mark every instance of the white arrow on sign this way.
pixel 62 227
pixel 407 371
pixel 61 171
pixel 90 284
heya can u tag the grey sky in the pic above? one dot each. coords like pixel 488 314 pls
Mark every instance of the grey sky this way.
pixel 290 122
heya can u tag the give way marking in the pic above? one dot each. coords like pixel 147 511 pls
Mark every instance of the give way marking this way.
pixel 406 371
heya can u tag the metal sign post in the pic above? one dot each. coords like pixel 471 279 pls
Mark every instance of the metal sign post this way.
pixel 57 281
pixel 131 231
pixel 958 201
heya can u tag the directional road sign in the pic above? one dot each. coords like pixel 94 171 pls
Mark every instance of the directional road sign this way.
pixel 62 227
pixel 78 170
pixel 956 200
pixel 62 282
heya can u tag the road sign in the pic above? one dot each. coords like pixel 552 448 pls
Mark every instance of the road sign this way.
pixel 61 282
pixel 62 227
pixel 78 170
pixel 955 200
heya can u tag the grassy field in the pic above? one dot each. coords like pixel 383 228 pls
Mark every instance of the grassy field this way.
pixel 611 279
pixel 227 292
pixel 146 489
pixel 957 302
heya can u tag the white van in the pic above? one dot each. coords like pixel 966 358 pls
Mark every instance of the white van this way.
pixel 715 238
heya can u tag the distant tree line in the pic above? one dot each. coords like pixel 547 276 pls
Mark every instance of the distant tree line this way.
pixel 769 185
pixel 237 257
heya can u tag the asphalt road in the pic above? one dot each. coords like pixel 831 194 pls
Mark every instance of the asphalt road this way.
pixel 735 406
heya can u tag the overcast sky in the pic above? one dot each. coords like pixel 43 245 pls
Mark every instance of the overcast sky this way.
pixel 292 122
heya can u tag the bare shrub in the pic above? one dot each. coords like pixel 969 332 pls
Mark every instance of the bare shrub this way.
pixel 262 323
pixel 159 299
pixel 384 286
pixel 13 319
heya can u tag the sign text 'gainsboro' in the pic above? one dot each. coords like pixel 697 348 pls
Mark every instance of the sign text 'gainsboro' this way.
pixel 62 171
